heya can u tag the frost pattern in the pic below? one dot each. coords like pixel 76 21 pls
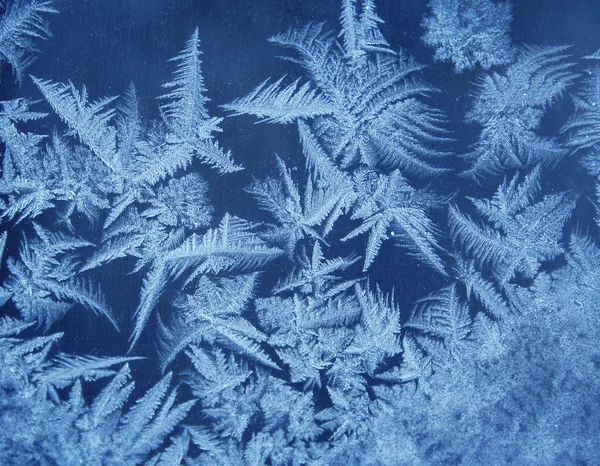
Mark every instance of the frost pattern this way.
pixel 470 33
pixel 291 332
pixel 522 232
pixel 509 107
pixel 22 24
pixel 367 101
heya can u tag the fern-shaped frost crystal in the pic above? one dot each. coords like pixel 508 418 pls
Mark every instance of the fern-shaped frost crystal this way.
pixel 521 233
pixel 275 104
pixel 44 282
pixel 441 319
pixel 297 216
pixel 22 23
pixel 214 314
pixel 509 108
pixel 393 208
pixel 190 127
pixel 583 127
pixel 366 102
pixel 233 246
pixel 90 121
